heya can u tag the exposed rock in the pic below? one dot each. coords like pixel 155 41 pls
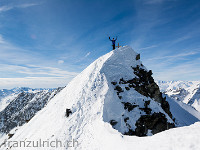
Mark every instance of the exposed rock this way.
pixel 156 122
pixel 127 88
pixel 146 109
pixel 137 56
pixel 126 119
pixel 130 132
pixel 113 122
pixel 129 106
pixel 118 88
pixel 146 103
pixel 28 120
pixel 114 83
pixel 10 135
pixel 122 81
pixel 144 84
pixel 68 112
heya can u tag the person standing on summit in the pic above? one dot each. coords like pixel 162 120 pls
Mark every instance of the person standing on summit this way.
pixel 113 42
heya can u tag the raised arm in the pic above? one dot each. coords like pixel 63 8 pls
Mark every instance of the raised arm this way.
pixel 116 38
pixel 110 39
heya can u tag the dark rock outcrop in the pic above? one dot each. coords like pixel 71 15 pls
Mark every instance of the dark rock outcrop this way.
pixel 129 106
pixel 10 135
pixel 137 57
pixel 113 122
pixel 118 88
pixel 144 84
pixel 130 132
pixel 68 112
pixel 156 122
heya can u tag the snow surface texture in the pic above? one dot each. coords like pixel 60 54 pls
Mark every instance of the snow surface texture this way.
pixel 90 96
pixel 185 115
pixel 186 91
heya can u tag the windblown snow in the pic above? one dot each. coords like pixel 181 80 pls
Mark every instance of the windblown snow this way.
pixel 93 102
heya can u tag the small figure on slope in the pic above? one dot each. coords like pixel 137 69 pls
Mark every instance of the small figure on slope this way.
pixel 113 42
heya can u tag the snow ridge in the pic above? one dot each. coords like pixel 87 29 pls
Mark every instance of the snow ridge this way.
pixel 98 107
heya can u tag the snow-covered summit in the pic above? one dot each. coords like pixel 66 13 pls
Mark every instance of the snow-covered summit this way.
pixel 114 96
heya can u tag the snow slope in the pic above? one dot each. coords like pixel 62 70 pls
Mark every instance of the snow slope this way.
pixel 184 114
pixel 93 102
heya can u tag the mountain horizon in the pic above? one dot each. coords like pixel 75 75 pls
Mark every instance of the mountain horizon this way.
pixel 114 99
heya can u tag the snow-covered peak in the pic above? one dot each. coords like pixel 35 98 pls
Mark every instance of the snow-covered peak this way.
pixel 115 95
pixel 119 64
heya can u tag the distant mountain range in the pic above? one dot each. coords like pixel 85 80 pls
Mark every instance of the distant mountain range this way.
pixel 19 105
pixel 26 102
pixel 187 92
pixel 8 95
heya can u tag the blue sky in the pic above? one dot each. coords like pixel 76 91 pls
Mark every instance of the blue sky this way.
pixel 45 43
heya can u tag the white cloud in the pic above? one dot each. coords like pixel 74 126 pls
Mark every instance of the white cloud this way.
pixel 27 5
pixel 2 41
pixel 175 67
pixel 179 72
pixel 16 55
pixel 5 8
pixel 9 7
pixel 83 58
pixel 148 47
pixel 21 67
pixel 180 39
pixel 35 76
pixel 60 61
pixel 34 70
pixel 175 56
pixel 34 82
pixel 87 54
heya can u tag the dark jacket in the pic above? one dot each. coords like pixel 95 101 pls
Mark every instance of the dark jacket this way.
pixel 113 41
